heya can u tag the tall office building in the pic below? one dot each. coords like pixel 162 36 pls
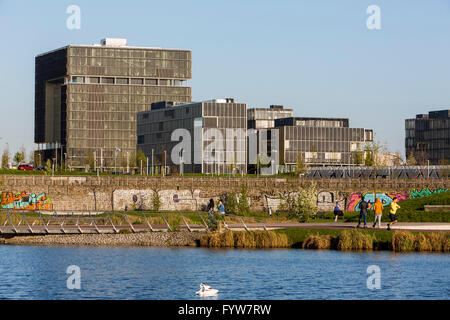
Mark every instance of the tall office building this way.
pixel 87 97
pixel 428 137
pixel 216 130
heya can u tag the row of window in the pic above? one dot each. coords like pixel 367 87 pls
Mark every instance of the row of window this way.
pixel 129 53
pixel 131 71
pixel 133 81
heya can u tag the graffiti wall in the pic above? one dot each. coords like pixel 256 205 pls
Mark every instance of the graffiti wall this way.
pixel 25 201
pixel 386 198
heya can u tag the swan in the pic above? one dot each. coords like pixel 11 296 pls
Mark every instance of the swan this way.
pixel 206 290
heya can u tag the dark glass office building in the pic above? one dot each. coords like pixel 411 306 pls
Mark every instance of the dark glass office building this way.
pixel 428 137
pixel 222 121
pixel 87 97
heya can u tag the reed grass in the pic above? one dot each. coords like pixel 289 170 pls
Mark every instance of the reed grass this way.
pixel 244 239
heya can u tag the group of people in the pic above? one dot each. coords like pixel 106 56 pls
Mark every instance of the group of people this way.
pixel 378 210
pixel 220 207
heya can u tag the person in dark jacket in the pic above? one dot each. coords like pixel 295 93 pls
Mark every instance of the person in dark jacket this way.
pixel 210 207
pixel 363 206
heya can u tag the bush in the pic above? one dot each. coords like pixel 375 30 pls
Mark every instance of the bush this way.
pixel 403 241
pixel 243 205
pixel 231 205
pixel 305 206
pixel 354 240
pixel 156 200
pixel 317 242
pixel 244 239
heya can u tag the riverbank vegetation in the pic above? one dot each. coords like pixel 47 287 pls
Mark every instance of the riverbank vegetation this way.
pixel 244 239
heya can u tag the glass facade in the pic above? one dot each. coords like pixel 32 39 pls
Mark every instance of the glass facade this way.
pixel 320 141
pixel 87 97
pixel 207 122
pixel 427 137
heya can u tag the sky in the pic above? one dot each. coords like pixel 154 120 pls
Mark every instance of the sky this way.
pixel 316 57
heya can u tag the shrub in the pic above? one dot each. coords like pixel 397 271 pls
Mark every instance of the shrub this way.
pixel 243 205
pixel 421 243
pixel 437 240
pixel 306 206
pixel 156 200
pixel 231 205
pixel 353 240
pixel 317 242
pixel 403 241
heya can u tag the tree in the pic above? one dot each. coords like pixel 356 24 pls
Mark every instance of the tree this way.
pixel 243 204
pixel 358 157
pixel 306 205
pixel 141 158
pixel 411 160
pixel 5 158
pixel 301 165
pixel 48 167
pixel 231 203
pixel 19 157
pixel 90 160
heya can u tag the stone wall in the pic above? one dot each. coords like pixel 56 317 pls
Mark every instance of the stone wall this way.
pixel 190 193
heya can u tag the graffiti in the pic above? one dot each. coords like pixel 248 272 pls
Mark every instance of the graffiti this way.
pixel 416 193
pixel 386 198
pixel 25 201
pixel 326 200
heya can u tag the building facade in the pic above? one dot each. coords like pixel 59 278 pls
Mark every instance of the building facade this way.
pixel 319 141
pixel 427 137
pixel 213 134
pixel 87 98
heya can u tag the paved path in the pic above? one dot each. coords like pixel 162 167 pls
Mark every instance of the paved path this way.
pixel 74 229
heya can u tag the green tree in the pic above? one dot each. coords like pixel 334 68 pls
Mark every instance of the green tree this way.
pixel 156 200
pixel 231 204
pixel 243 204
pixel 411 159
pixel 141 158
pixel 5 158
pixel 306 204
pixel 48 167
pixel 19 157
pixel 358 158
pixel 301 165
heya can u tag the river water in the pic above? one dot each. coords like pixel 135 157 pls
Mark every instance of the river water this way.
pixel 39 272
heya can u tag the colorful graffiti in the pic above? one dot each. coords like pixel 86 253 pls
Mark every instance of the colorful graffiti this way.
pixel 416 193
pixel 25 201
pixel 386 198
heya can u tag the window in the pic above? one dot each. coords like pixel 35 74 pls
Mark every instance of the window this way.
pixel 141 139
pixel 94 79
pixel 137 81
pixel 107 80
pixel 151 82
pixel 122 81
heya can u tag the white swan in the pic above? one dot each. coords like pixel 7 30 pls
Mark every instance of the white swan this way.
pixel 206 291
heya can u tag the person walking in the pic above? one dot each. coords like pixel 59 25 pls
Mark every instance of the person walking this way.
pixel 392 213
pixel 210 207
pixel 363 206
pixel 378 209
pixel 337 212
pixel 221 207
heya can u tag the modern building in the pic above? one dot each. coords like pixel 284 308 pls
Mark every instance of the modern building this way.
pixel 319 141
pixel 87 97
pixel 264 118
pixel 215 133
pixel 428 137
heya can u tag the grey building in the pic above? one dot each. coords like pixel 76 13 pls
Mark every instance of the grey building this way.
pixel 87 97
pixel 221 121
pixel 427 137
pixel 320 141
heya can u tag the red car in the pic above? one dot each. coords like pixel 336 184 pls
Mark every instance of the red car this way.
pixel 26 167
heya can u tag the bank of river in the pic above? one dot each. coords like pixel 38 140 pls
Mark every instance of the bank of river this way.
pixel 152 239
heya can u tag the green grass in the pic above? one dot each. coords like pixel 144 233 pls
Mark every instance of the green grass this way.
pixel 412 210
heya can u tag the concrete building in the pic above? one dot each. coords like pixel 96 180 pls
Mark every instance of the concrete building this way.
pixel 427 137
pixel 213 134
pixel 87 97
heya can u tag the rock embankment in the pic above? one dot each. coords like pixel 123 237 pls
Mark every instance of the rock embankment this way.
pixel 156 239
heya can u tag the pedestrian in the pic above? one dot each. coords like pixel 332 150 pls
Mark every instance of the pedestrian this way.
pixel 378 209
pixel 392 213
pixel 363 206
pixel 337 212
pixel 210 207
pixel 221 207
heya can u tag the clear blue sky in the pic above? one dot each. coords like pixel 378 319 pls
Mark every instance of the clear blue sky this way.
pixel 316 57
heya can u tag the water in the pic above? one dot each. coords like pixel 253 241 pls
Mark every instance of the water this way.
pixel 39 272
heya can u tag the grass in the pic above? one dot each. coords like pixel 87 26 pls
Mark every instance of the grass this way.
pixel 399 241
pixel 244 239
pixel 412 210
